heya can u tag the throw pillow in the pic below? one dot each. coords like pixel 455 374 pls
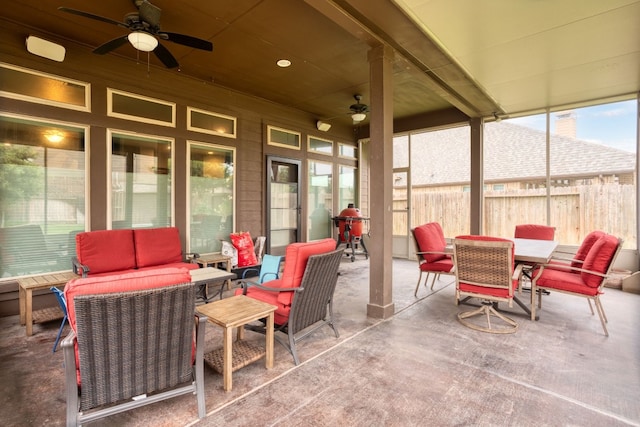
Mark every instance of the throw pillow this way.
pixel 244 244
pixel 229 250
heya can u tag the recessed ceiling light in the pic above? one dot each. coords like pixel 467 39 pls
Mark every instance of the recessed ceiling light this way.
pixel 284 63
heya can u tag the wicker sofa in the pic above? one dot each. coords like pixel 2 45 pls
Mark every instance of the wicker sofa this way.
pixel 108 252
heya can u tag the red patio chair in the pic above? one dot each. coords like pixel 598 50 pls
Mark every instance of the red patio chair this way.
pixel 585 281
pixel 430 246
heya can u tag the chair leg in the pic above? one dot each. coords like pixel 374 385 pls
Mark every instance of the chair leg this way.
pixel 488 310
pixel 436 276
pixel 590 306
pixel 415 294
pixel 55 345
pixel 603 317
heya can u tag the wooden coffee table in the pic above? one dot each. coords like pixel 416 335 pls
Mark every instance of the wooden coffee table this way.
pixel 26 287
pixel 235 312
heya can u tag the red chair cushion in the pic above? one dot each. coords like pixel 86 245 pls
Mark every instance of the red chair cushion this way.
pixel 586 245
pixel 246 252
pixel 564 281
pixel 281 315
pixel 295 262
pixel 442 265
pixel 598 259
pixel 106 250
pixel 157 246
pixel 139 280
pixel 534 231
pixel 430 238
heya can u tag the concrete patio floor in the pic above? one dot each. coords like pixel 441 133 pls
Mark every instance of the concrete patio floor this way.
pixel 421 367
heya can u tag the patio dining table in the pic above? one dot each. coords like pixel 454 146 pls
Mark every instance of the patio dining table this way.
pixel 530 252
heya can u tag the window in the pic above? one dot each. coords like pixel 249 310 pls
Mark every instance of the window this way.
pixel 140 108
pixel 283 138
pixel 42 194
pixel 319 145
pixel 515 169
pixel 34 86
pixel 212 123
pixel 346 187
pixel 141 181
pixel 347 151
pixel 590 184
pixel 211 196
pixel 320 199
pixel 439 177
pixel 593 172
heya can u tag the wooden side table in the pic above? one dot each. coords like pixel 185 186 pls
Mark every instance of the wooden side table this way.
pixel 26 287
pixel 235 312
pixel 214 260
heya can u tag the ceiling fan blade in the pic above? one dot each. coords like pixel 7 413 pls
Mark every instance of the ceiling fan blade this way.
pixel 110 45
pixel 92 16
pixel 165 56
pixel 150 14
pixel 185 40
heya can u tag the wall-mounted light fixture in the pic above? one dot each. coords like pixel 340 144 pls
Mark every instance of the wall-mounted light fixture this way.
pixel 45 48
pixel 323 126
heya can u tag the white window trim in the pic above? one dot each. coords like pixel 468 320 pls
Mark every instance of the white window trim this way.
pixel 111 113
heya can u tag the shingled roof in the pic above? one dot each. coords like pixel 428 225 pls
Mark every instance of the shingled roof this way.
pixel 512 153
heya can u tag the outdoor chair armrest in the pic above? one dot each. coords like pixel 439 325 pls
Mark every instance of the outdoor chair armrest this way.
pixel 517 272
pixel 542 267
pixel 434 252
pixel 79 268
pixel 244 284
pixel 244 272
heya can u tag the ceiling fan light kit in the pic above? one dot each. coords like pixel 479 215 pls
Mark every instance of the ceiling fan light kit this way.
pixel 142 41
pixel 358 110
pixel 144 27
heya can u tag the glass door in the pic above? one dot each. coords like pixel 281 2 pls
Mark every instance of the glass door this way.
pixel 283 204
pixel 401 209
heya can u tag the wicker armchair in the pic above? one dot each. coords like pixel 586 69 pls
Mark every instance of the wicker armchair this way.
pixel 133 348
pixel 311 299
pixel 485 270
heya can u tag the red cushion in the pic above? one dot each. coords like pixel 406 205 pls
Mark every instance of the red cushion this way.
pixel 106 250
pixel 563 280
pixel 137 280
pixel 430 238
pixel 598 259
pixel 281 315
pixel 586 245
pixel 157 246
pixel 246 252
pixel 534 231
pixel 442 265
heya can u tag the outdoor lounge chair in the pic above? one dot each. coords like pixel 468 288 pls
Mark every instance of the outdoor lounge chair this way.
pixel 304 293
pixel 132 343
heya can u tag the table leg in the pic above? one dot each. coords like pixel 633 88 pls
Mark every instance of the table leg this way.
pixel 227 359
pixel 29 311
pixel 269 342
pixel 23 304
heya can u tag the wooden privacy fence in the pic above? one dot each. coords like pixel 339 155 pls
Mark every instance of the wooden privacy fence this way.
pixel 575 211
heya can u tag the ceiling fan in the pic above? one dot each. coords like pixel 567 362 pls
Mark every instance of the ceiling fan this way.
pixel 144 27
pixel 358 110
